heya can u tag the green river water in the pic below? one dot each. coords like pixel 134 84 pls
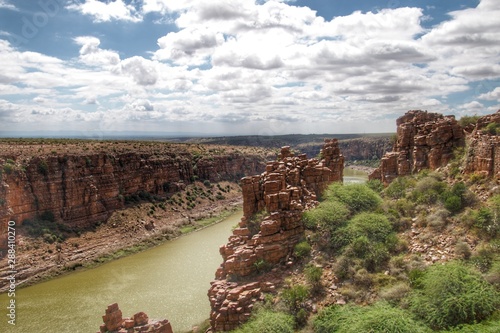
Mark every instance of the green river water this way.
pixel 169 281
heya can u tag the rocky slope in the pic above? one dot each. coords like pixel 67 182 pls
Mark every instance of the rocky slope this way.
pixel 287 187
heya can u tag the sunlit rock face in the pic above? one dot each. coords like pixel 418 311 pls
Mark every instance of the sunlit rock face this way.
pixel 82 190
pixel 483 153
pixel 424 141
pixel 289 186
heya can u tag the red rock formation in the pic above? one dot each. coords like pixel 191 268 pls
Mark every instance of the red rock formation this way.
pixel 287 187
pixel 483 153
pixel 82 190
pixel 114 323
pixel 424 141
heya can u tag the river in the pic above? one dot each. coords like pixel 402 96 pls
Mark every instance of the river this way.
pixel 354 176
pixel 169 281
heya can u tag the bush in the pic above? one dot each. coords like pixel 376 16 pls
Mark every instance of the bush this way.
pixel 375 185
pixel 313 275
pixel 492 128
pixel 428 190
pixel 468 120
pixel 267 321
pixel 453 294
pixel 368 236
pixel 484 327
pixel 357 197
pixel 378 318
pixel 302 249
pixel 43 168
pixel 397 189
pixel 294 297
pixel 330 214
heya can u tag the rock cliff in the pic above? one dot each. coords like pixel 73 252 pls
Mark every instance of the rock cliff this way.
pixel 82 189
pixel 424 141
pixel 115 323
pixel 287 187
pixel 483 153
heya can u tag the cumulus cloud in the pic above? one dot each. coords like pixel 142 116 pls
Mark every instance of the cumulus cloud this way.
pixel 142 71
pixel 269 63
pixel 107 11
pixel 189 46
pixel 491 96
pixel 92 55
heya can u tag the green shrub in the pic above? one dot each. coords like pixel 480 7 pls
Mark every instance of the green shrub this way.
pixel 267 321
pixel 492 128
pixel 43 168
pixel 8 168
pixel 378 318
pixel 397 188
pixel 357 197
pixel 491 326
pixel 453 203
pixel 367 236
pixel 313 275
pixel 294 297
pixel 302 249
pixel 375 185
pixel 453 294
pixel 428 190
pixel 329 214
pixel 372 225
pixel 468 120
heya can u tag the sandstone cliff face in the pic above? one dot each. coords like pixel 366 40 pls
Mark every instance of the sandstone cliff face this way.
pixel 287 187
pixel 483 153
pixel 424 141
pixel 82 190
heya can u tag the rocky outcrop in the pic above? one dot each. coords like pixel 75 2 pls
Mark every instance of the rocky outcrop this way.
pixel 83 190
pixel 424 141
pixel 115 323
pixel 287 188
pixel 483 153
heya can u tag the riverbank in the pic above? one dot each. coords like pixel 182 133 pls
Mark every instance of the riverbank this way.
pixel 127 231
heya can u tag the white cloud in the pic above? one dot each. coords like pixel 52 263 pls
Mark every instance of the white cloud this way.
pixel 491 96
pixel 107 11
pixel 7 5
pixel 142 71
pixel 92 55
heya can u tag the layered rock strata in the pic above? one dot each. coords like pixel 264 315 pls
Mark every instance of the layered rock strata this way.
pixel 83 190
pixel 287 188
pixel 424 141
pixel 483 153
pixel 115 323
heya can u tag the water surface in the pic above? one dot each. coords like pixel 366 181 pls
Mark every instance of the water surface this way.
pixel 169 281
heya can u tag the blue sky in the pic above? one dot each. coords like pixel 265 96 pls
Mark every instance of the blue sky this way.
pixel 243 67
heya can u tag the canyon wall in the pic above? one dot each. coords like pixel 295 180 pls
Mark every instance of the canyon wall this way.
pixel 424 141
pixel 81 190
pixel 365 148
pixel 483 147
pixel 287 188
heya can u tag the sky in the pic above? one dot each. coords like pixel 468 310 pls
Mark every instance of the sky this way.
pixel 239 67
